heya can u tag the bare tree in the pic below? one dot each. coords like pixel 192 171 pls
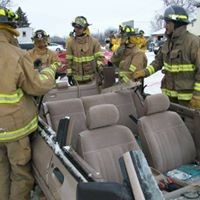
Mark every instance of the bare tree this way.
pixel 157 23
pixel 5 3
pixel 189 5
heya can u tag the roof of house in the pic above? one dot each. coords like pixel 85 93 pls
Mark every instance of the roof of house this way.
pixel 159 32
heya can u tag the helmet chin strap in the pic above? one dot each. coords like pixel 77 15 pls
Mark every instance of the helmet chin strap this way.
pixel 80 35
pixel 177 25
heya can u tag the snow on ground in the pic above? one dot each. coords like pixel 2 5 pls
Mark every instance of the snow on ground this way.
pixel 152 82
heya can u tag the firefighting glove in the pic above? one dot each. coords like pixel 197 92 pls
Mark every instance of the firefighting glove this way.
pixel 124 40
pixel 71 80
pixel 195 102
pixel 139 74
pixel 110 64
pixel 120 50
pixel 37 63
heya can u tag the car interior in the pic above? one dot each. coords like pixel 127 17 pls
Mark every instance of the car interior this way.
pixel 102 127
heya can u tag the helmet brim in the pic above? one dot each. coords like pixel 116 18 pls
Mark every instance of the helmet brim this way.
pixel 76 25
pixel 186 21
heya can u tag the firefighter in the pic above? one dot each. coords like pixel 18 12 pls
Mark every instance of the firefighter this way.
pixel 128 58
pixel 113 42
pixel 18 112
pixel 84 55
pixel 179 59
pixel 143 41
pixel 40 54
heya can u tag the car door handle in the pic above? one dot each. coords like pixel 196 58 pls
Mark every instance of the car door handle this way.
pixel 59 175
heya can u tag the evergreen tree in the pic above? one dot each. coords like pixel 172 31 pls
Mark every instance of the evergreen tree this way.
pixel 23 20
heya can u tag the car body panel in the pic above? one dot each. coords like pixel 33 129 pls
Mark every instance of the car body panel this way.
pixel 55 47
pixel 67 188
pixel 55 174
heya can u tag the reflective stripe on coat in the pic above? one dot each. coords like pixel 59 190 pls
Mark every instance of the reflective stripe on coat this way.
pixel 19 82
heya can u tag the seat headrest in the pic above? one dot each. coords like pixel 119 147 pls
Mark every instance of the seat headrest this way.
pixel 102 115
pixel 156 103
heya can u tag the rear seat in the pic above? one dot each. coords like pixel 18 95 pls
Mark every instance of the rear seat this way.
pixel 62 91
pixel 77 108
pixel 122 100
pixel 56 110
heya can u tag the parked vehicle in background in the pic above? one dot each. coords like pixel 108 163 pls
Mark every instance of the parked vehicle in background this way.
pixel 157 46
pixel 55 47
pixel 62 57
pixel 150 46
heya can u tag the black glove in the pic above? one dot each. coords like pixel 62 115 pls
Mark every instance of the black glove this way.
pixel 71 80
pixel 60 74
pixel 37 63
pixel 110 64
pixel 120 50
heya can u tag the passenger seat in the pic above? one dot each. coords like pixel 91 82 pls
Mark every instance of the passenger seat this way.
pixel 105 142
pixel 166 141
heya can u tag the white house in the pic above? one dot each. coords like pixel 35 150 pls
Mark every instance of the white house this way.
pixel 194 27
pixel 158 35
pixel 26 33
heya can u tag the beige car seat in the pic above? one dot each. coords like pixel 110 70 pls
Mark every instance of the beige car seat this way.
pixel 166 141
pixel 56 110
pixel 105 142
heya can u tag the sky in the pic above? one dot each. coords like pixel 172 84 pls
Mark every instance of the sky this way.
pixel 55 17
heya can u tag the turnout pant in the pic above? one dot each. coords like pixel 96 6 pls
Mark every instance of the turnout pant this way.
pixel 16 179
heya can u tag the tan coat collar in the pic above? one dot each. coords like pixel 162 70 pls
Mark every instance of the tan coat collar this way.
pixel 7 36
pixel 82 39
pixel 179 32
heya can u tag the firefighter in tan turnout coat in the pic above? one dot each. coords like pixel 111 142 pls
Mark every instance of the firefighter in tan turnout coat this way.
pixel 42 57
pixel 179 59
pixel 84 54
pixel 18 113
pixel 128 57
